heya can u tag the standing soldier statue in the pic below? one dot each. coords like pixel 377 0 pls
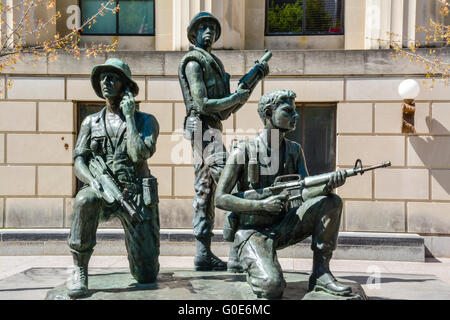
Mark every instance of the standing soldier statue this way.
pixel 111 159
pixel 206 91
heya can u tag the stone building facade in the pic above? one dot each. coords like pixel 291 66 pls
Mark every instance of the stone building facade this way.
pixel 350 74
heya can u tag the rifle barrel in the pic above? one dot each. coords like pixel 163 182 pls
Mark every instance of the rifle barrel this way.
pixel 360 170
pixel 383 165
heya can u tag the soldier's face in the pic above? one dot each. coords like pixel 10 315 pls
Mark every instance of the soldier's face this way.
pixel 111 85
pixel 206 34
pixel 285 117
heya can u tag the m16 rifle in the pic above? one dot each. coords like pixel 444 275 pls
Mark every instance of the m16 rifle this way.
pixel 109 191
pixel 251 79
pixel 297 190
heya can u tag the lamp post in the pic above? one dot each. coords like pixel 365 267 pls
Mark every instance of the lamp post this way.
pixel 408 90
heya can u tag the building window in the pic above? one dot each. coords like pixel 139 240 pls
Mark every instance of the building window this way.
pixel 304 17
pixel 316 132
pixel 135 17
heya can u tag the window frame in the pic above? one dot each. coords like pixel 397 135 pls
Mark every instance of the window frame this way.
pixel 284 34
pixel 117 25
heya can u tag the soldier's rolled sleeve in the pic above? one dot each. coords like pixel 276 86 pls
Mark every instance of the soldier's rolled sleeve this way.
pixel 150 133
pixel 302 168
pixel 82 147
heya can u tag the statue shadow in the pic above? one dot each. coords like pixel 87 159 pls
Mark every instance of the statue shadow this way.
pixel 25 289
pixel 165 280
pixel 434 151
pixel 364 279
pixel 187 285
pixel 209 286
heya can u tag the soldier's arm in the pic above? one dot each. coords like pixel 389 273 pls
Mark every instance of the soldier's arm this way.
pixel 152 126
pixel 82 153
pixel 82 171
pixel 137 149
pixel 194 75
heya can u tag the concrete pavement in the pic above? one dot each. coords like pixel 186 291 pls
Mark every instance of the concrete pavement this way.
pixel 390 279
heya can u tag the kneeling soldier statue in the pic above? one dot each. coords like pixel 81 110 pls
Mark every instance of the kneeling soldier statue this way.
pixel 264 222
pixel 111 159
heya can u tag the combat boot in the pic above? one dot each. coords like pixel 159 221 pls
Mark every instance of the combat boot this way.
pixel 78 284
pixel 233 264
pixel 205 260
pixel 322 278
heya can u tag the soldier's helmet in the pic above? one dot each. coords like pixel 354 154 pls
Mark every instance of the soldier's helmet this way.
pixel 118 66
pixel 201 17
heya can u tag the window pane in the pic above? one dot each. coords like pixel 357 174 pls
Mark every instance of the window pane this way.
pixel 105 24
pixel 320 139
pixel 285 16
pixel 316 132
pixel 136 17
pixel 324 16
pixel 430 10
pixel 321 16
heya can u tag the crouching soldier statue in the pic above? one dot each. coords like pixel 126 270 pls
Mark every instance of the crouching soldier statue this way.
pixel 264 222
pixel 111 159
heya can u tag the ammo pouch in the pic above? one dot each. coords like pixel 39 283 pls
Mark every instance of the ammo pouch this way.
pixel 150 190
pixel 230 226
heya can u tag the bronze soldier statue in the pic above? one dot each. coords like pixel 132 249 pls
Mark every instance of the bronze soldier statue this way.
pixel 206 92
pixel 111 159
pixel 265 224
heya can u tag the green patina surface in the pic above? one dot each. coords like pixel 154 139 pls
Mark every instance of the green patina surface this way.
pixel 184 284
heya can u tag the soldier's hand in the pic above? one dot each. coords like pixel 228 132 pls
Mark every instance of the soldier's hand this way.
pixel 96 185
pixel 243 95
pixel 193 124
pixel 127 104
pixel 274 204
pixel 337 179
pixel 264 68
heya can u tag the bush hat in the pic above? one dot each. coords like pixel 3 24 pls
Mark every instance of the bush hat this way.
pixel 117 66
pixel 201 17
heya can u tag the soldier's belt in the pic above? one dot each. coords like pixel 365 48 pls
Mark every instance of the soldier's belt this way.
pixel 258 219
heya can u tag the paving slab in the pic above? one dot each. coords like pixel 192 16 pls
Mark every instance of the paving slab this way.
pixel 172 284
pixel 185 284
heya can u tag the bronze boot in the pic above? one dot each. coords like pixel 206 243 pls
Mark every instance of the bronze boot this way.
pixel 78 284
pixel 233 264
pixel 205 260
pixel 322 278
